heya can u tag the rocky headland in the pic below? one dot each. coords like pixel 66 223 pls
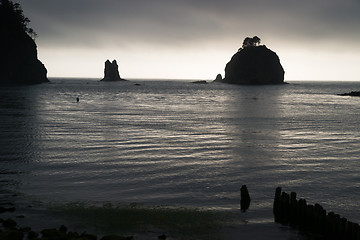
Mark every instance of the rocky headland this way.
pixel 19 63
pixel 111 72
pixel 254 64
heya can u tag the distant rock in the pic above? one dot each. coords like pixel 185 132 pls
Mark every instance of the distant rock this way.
pixel 254 64
pixel 19 63
pixel 111 72
pixel 218 78
pixel 200 82
pixel 353 94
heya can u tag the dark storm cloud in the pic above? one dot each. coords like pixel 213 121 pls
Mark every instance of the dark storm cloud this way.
pixel 172 22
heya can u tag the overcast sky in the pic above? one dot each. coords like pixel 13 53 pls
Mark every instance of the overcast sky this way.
pixel 194 39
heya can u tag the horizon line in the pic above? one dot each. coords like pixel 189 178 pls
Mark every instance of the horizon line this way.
pixel 198 79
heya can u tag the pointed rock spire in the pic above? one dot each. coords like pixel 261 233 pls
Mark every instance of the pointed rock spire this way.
pixel 111 72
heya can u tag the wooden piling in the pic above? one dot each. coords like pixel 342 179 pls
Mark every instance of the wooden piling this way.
pixel 245 198
pixel 290 211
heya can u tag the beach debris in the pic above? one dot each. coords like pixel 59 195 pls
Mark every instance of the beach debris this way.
pixel 12 235
pixel 115 237
pixel 10 231
pixel 9 224
pixel 33 235
pixel 4 209
pixel 162 237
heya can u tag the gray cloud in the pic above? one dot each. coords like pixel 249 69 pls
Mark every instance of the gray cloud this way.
pixel 171 22
pixel 315 39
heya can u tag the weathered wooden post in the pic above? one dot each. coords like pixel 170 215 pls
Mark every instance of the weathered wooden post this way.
pixel 285 207
pixel 343 222
pixel 277 205
pixel 309 217
pixel 357 231
pixel 245 198
pixel 320 218
pixel 330 222
pixel 288 210
pixel 337 225
pixel 293 213
pixel 302 212
pixel 353 230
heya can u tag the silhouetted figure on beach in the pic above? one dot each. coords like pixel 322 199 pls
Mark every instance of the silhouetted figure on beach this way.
pixel 245 198
pixel 77 99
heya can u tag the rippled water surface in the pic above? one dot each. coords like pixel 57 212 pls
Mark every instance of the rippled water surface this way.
pixel 181 144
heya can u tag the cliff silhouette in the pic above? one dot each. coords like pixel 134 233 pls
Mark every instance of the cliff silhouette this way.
pixel 254 64
pixel 19 63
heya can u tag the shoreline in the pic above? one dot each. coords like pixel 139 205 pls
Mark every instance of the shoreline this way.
pixel 143 223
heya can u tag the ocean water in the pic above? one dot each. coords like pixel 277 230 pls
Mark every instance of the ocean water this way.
pixel 179 144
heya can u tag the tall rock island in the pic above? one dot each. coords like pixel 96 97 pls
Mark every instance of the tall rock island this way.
pixel 111 72
pixel 19 63
pixel 254 64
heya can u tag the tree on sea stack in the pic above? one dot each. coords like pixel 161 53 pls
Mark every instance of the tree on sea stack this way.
pixel 251 42
pixel 254 64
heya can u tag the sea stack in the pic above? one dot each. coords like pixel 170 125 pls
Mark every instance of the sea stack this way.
pixel 218 78
pixel 111 72
pixel 19 63
pixel 254 64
